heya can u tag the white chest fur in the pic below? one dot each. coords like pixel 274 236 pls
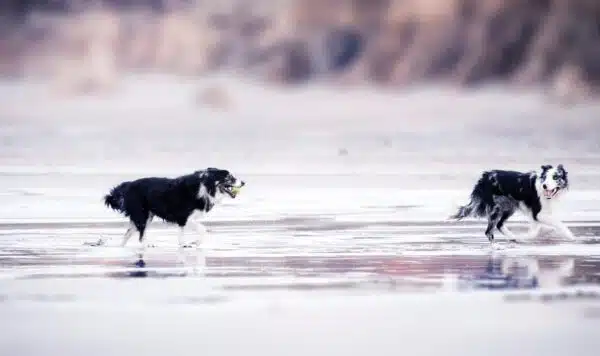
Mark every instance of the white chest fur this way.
pixel 203 193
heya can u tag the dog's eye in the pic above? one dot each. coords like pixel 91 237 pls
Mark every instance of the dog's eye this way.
pixel 555 176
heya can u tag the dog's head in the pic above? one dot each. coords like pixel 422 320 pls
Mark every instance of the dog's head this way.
pixel 222 180
pixel 553 180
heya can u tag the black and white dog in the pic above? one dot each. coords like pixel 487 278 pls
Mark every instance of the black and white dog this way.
pixel 172 199
pixel 498 194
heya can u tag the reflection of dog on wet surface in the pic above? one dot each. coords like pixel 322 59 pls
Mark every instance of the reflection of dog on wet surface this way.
pixel 498 194
pixel 192 263
pixel 522 272
pixel 172 199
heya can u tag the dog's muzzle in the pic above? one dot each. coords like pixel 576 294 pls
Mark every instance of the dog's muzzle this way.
pixel 551 193
pixel 232 190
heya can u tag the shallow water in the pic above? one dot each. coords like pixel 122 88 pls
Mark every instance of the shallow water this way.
pixel 278 263
pixel 322 252
pixel 306 252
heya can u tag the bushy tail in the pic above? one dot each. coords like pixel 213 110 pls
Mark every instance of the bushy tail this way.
pixel 114 199
pixel 474 208
pixel 481 201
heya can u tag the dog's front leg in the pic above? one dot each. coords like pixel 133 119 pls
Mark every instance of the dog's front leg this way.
pixel 181 237
pixel 199 229
pixel 556 224
pixel 201 232
pixel 534 230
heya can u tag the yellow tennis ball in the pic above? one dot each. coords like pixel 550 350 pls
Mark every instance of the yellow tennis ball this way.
pixel 236 190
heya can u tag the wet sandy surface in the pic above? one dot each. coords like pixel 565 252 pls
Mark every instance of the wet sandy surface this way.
pixel 295 253
pixel 297 284
pixel 337 245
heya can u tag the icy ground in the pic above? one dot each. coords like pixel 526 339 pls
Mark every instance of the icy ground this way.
pixel 337 245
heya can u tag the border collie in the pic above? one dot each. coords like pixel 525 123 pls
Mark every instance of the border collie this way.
pixel 498 194
pixel 172 199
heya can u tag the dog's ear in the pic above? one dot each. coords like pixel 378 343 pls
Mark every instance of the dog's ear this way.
pixel 200 173
pixel 546 167
pixel 562 170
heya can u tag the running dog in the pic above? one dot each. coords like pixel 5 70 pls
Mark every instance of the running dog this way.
pixel 498 194
pixel 172 199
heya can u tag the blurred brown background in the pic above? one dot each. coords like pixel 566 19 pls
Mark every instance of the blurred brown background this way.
pixel 85 45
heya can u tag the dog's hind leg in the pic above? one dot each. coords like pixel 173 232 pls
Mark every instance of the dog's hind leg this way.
pixel 488 231
pixel 141 231
pixel 503 229
pixel 130 230
pixel 140 223
pixel 150 217
pixel 493 220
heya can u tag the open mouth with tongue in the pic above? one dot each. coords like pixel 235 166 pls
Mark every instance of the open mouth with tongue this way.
pixel 551 193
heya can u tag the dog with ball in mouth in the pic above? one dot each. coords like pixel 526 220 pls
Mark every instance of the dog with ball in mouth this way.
pixel 173 200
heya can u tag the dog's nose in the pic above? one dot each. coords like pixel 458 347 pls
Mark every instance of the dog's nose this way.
pixel 243 183
pixel 544 186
